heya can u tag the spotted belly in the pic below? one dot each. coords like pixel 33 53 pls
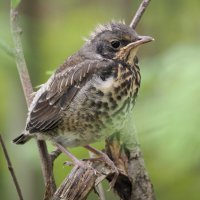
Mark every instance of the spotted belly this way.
pixel 102 111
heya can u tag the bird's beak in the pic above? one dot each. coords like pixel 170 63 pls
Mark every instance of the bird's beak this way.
pixel 129 51
pixel 140 40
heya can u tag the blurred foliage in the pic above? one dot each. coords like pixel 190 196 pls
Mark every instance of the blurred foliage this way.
pixel 167 112
pixel 169 136
pixel 15 3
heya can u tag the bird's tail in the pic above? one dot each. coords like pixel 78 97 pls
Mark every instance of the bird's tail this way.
pixel 22 139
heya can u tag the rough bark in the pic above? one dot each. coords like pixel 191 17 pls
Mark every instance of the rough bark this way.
pixel 133 182
pixel 79 183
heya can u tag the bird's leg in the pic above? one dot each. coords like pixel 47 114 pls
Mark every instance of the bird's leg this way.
pixel 75 160
pixel 107 160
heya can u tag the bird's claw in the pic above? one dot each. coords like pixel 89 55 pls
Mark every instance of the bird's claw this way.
pixel 68 163
pixel 112 166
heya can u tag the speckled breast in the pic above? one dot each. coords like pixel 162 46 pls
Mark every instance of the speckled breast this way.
pixel 102 106
pixel 121 97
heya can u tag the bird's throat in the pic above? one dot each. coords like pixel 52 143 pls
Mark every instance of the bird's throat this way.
pixel 131 56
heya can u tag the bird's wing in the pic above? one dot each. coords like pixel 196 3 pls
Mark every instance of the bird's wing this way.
pixel 47 107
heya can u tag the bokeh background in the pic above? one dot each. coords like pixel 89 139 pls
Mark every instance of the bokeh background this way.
pixel 167 113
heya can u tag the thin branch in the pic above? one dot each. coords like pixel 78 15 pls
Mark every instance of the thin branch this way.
pixel 54 154
pixel 28 91
pixel 100 191
pixel 19 57
pixel 139 13
pixel 10 167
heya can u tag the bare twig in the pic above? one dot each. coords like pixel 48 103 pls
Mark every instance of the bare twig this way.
pixel 139 13
pixel 28 91
pixel 54 154
pixel 10 167
pixel 100 191
pixel 19 57
pixel 81 181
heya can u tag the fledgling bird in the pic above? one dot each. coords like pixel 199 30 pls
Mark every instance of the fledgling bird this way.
pixel 90 96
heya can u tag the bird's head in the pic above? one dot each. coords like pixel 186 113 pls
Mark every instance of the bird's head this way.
pixel 116 41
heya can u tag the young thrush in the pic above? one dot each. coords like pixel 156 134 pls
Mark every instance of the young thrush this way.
pixel 90 96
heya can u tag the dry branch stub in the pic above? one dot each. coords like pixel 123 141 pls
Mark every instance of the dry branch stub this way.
pixel 81 181
pixel 133 182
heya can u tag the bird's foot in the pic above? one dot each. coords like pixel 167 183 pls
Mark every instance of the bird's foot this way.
pixel 104 157
pixel 111 165
pixel 81 164
pixel 115 170
pixel 75 161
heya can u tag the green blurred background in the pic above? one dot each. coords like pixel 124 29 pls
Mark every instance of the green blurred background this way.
pixel 167 113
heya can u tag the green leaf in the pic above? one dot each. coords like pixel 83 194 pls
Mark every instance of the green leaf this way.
pixel 15 3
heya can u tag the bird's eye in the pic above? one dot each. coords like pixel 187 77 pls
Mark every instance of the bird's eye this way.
pixel 115 44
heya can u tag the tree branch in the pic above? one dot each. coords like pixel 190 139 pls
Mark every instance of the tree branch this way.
pixel 139 13
pixel 133 182
pixel 79 183
pixel 19 57
pixel 10 167
pixel 28 91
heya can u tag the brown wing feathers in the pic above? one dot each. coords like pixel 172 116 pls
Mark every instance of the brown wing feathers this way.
pixel 64 86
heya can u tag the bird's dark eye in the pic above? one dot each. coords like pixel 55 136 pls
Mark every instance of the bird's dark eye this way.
pixel 115 44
